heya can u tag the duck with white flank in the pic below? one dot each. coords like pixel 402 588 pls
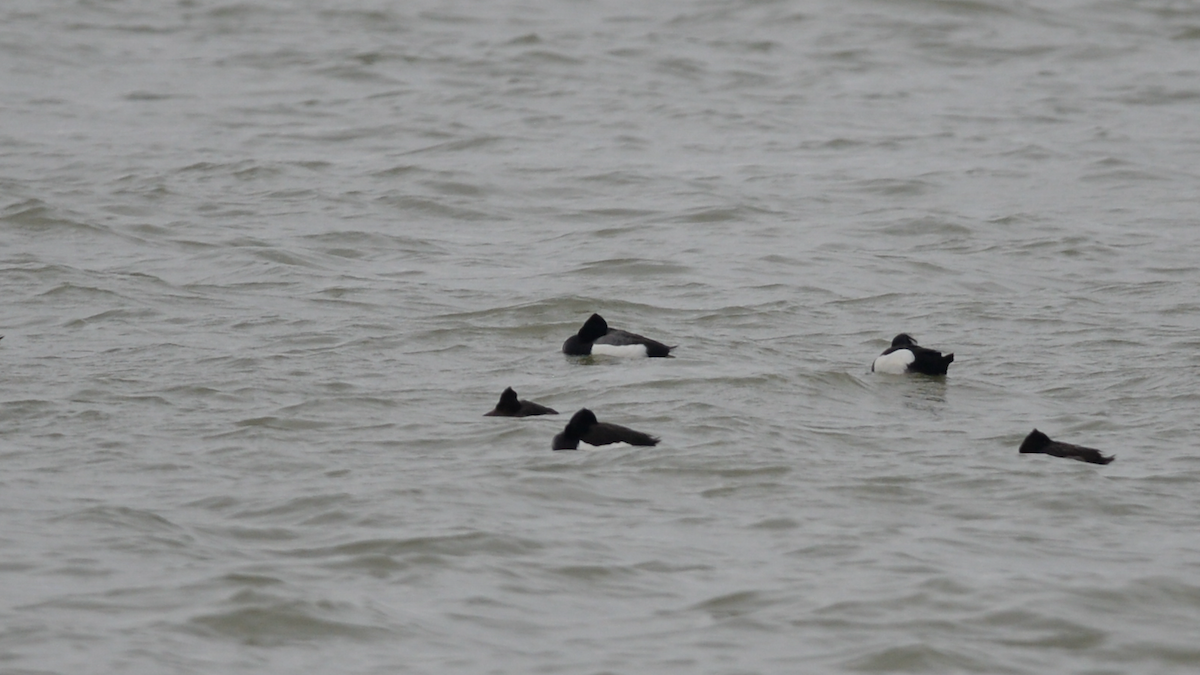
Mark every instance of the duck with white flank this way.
pixel 584 428
pixel 904 356
pixel 509 406
pixel 1037 442
pixel 597 338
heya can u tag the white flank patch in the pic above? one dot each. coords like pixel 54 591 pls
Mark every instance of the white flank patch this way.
pixel 895 363
pixel 623 351
pixel 610 446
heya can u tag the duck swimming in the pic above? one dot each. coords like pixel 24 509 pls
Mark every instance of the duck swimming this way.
pixel 585 428
pixel 510 406
pixel 595 337
pixel 904 356
pixel 1037 442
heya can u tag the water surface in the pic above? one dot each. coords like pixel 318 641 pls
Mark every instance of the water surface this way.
pixel 265 265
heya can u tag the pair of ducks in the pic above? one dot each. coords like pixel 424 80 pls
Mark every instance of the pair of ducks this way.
pixel 583 427
pixel 595 337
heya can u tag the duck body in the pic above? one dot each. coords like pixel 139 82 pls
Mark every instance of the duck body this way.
pixel 585 428
pixel 1038 442
pixel 511 406
pixel 905 356
pixel 595 337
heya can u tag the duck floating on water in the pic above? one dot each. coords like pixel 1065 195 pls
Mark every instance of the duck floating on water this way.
pixel 595 337
pixel 1037 442
pixel 585 428
pixel 510 406
pixel 904 356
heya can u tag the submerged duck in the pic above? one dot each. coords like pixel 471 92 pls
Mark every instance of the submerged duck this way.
pixel 597 338
pixel 904 356
pixel 1037 442
pixel 584 428
pixel 509 406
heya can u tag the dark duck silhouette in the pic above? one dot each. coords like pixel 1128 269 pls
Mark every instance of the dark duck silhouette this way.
pixel 1037 442
pixel 904 356
pixel 509 406
pixel 597 338
pixel 584 428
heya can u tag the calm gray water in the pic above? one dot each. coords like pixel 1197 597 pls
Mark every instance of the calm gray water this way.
pixel 266 263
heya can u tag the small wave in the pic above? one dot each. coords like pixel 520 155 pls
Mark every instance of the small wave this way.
pixel 920 658
pixel 454 545
pixel 34 215
pixel 276 621
pixel 631 267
